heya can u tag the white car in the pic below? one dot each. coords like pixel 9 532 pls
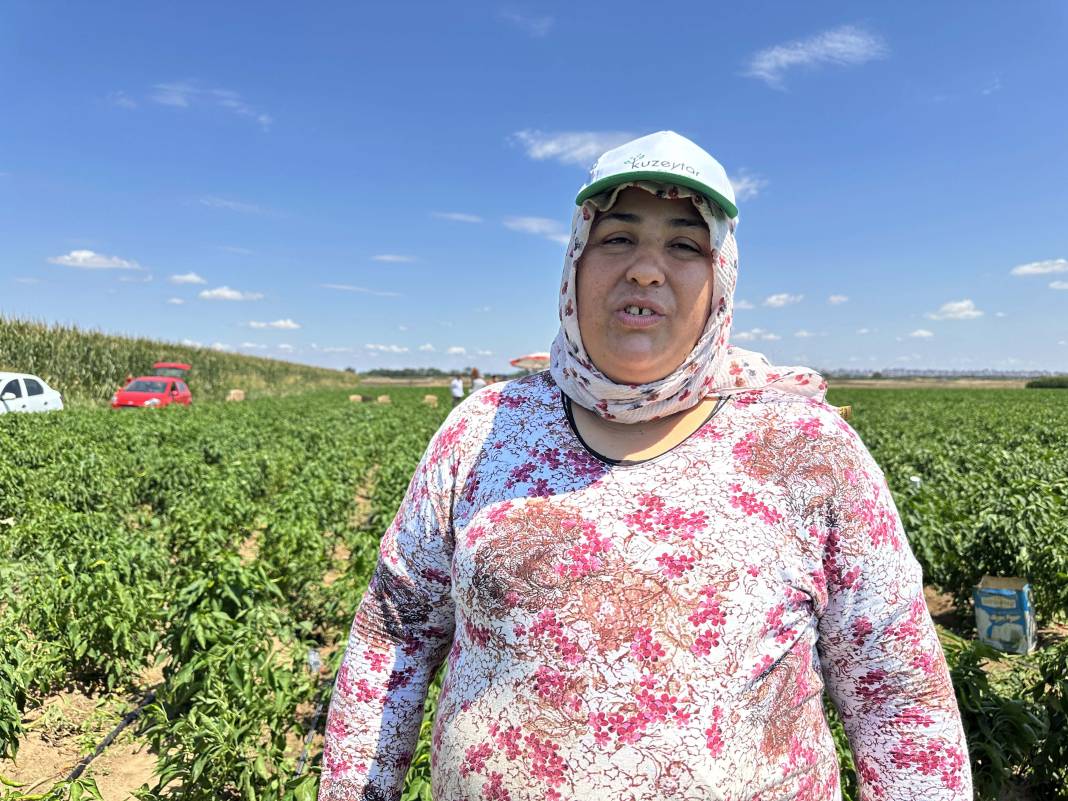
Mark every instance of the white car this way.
pixel 20 392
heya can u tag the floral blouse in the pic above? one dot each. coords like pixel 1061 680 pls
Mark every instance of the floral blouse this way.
pixel 657 630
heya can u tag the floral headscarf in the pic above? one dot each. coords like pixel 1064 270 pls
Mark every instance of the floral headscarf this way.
pixel 714 367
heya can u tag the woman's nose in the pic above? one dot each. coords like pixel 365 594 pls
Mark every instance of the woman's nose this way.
pixel 647 269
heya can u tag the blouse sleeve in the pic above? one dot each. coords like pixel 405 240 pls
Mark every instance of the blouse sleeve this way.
pixel 401 633
pixel 882 663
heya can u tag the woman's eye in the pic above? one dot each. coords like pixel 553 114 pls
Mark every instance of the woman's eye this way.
pixel 687 246
pixel 617 240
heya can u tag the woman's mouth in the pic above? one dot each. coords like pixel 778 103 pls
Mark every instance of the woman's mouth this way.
pixel 635 316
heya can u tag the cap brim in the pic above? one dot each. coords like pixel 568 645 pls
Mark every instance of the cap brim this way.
pixel 663 177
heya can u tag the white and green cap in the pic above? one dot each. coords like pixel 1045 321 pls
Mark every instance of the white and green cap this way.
pixel 666 157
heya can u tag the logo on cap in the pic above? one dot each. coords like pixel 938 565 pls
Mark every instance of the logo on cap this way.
pixel 636 163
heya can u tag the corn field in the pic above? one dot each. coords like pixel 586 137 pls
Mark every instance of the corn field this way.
pixel 88 366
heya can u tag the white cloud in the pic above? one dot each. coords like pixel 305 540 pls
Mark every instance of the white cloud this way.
pixel 805 334
pixel 179 94
pixel 387 348
pixel 993 86
pixel 187 278
pixel 535 26
pixel 121 99
pixel 393 258
pixel 175 301
pixel 863 331
pixel 456 216
pixel 956 310
pixel 782 299
pixel 232 101
pixel 402 328
pixel 1041 267
pixel 225 293
pixel 335 349
pixel 572 147
pixel 456 350
pixel 746 186
pixel 1000 314
pixel 1058 285
pixel 539 226
pixel 220 346
pixel 483 352
pixel 287 324
pixel 753 334
pixel 184 94
pixel 231 205
pixel 363 290
pixel 845 45
pixel 1062 342
pixel 921 333
pixel 427 348
pixel 285 347
pixel 743 304
pixel 191 343
pixel 89 260
pixel 252 346
pixel 835 300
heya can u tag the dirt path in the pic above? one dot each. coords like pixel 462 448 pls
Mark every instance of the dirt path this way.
pixel 68 726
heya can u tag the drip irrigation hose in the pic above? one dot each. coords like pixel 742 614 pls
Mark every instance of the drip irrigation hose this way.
pixel 323 696
pixel 131 716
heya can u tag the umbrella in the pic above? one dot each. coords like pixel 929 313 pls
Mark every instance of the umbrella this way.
pixel 532 361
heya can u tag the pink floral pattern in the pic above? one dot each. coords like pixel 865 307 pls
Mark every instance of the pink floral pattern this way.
pixel 651 631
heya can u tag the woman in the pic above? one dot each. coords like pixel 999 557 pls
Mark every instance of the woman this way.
pixel 645 564
pixel 477 381
pixel 456 389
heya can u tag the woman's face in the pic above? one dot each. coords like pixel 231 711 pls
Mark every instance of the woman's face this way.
pixel 644 286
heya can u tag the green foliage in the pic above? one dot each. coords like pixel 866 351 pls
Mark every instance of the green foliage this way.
pixel 1002 728
pixel 14 680
pixel 1049 689
pixel 199 538
pixel 993 483
pixel 203 539
pixel 87 366
pixel 1050 382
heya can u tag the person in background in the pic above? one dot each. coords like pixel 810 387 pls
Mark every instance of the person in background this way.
pixel 477 381
pixel 456 388
pixel 644 566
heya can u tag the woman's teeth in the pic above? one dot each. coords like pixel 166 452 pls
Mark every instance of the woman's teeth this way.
pixel 641 311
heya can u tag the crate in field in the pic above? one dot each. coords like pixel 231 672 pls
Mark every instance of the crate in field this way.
pixel 1004 615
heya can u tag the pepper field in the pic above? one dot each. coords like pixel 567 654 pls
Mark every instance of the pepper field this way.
pixel 202 566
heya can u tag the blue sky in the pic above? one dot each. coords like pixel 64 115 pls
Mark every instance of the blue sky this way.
pixel 387 184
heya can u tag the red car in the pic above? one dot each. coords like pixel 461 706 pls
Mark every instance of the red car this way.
pixel 162 389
